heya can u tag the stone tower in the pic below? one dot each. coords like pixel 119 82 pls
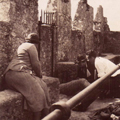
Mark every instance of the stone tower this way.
pixel 63 9
pixel 83 21
pixel 99 20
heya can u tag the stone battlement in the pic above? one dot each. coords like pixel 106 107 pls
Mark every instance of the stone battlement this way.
pixel 11 102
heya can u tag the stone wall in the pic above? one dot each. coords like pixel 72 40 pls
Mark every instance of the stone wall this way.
pixel 83 22
pixel 98 39
pixel 17 19
pixel 48 50
pixel 11 106
pixel 66 71
pixel 99 19
pixel 112 42
pixel 64 30
pixel 69 44
pixel 52 5
pixel 63 10
pixel 77 42
pixel 100 29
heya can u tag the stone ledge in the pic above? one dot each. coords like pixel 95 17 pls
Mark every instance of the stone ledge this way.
pixel 11 106
pixel 11 102
pixel 66 71
pixel 53 86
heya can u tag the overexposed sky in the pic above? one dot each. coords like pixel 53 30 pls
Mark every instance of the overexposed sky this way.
pixel 111 10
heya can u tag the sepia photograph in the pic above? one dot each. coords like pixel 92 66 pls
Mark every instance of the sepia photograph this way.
pixel 59 60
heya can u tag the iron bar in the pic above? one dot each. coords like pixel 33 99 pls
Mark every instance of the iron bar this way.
pixel 51 17
pixel 48 17
pixel 39 34
pixel 56 15
pixel 52 53
pixel 55 115
pixel 79 97
pixel 41 15
pixel 44 17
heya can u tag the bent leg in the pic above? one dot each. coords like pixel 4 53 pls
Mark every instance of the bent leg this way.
pixel 29 87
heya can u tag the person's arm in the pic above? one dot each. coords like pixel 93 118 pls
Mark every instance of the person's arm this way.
pixel 35 63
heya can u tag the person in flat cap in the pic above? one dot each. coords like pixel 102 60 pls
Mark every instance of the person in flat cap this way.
pixel 32 38
pixel 104 66
pixel 24 75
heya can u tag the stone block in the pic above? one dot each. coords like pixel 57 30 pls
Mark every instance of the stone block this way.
pixel 66 71
pixel 53 86
pixel 11 102
pixel 73 87
pixel 11 106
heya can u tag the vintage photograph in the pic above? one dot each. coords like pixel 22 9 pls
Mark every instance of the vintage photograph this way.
pixel 59 60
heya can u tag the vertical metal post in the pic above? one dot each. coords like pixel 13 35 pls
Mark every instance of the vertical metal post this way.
pixel 41 16
pixel 46 17
pixel 39 34
pixel 52 53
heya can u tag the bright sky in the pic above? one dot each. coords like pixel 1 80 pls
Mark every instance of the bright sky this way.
pixel 111 10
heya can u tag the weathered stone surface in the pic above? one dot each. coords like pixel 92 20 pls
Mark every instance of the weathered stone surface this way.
pixel 63 10
pixel 100 29
pixel 17 19
pixel 64 31
pixel 112 42
pixel 78 46
pixel 53 87
pixel 83 22
pixel 73 87
pixel 4 10
pixel 98 42
pixel 48 50
pixel 11 102
pixel 11 106
pixel 106 26
pixel 99 19
pixel 66 71
pixel 52 6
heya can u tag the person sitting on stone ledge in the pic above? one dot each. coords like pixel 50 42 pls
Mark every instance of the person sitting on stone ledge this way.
pixel 104 66
pixel 24 75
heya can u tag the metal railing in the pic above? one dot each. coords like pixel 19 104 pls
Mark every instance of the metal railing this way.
pixel 62 110
pixel 48 17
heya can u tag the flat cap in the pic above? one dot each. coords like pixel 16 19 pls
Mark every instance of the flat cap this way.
pixel 32 38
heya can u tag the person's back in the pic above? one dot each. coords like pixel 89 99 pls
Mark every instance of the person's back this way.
pixel 104 66
pixel 21 59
